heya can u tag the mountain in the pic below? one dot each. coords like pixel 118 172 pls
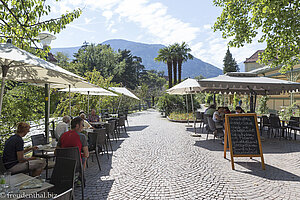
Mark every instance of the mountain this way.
pixel 148 52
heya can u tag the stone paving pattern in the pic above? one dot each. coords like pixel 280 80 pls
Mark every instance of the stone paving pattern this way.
pixel 158 159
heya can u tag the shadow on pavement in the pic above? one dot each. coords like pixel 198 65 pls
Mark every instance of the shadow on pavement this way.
pixel 210 144
pixel 271 172
pixel 136 128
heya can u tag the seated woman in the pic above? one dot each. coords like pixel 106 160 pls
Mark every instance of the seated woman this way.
pixel 239 110
pixel 13 154
pixel 87 125
pixel 218 116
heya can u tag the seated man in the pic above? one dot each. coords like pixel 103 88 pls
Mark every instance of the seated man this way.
pixel 62 127
pixel 74 138
pixel 93 117
pixel 217 116
pixel 13 154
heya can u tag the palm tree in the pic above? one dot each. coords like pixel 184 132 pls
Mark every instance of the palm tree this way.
pixel 175 49
pixel 165 55
pixel 183 55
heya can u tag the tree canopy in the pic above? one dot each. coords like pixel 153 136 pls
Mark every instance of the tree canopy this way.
pixel 230 64
pixel 21 22
pixel 276 20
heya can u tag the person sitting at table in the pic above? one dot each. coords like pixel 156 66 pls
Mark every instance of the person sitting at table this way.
pixel 93 117
pixel 86 123
pixel 62 126
pixel 13 154
pixel 217 116
pixel 81 111
pixel 239 110
pixel 210 110
pixel 74 138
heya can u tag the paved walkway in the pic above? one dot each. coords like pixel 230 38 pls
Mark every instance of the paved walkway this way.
pixel 158 159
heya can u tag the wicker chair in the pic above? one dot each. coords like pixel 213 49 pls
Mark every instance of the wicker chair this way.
pixel 62 178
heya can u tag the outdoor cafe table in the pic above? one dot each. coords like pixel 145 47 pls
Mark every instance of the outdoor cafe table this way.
pixel 16 179
pixel 97 124
pixel 47 153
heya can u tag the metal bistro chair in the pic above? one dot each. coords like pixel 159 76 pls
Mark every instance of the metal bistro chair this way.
pixel 62 178
pixel 93 146
pixel 103 140
pixel 200 119
pixel 266 123
pixel 121 124
pixel 40 139
pixel 205 124
pixel 293 125
pixel 214 128
pixel 112 130
pixel 67 195
pixel 276 126
pixel 73 153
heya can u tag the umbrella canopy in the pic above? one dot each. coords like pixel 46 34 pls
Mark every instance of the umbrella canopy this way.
pixel 20 65
pixel 124 91
pixel 79 84
pixel 185 87
pixel 246 83
pixel 90 91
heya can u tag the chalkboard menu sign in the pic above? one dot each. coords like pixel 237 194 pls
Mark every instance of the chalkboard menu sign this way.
pixel 243 136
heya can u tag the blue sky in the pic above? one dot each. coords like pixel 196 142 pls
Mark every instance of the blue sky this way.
pixel 149 21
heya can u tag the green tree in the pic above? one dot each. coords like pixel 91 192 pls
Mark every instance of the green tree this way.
pixel 183 55
pixel 165 55
pixel 154 82
pixel 21 22
pixel 229 63
pixel 175 50
pixel 99 57
pixel 277 20
pixel 132 67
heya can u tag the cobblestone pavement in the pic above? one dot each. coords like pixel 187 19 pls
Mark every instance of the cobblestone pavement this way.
pixel 158 159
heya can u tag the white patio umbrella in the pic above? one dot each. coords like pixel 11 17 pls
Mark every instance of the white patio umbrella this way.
pixel 188 86
pixel 123 91
pixel 96 90
pixel 80 84
pixel 20 65
pixel 247 83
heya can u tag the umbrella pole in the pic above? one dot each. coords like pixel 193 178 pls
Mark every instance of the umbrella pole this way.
pixel 88 102
pixel 4 73
pixel 2 92
pixel 119 104
pixel 47 112
pixel 193 112
pixel 187 110
pixel 70 100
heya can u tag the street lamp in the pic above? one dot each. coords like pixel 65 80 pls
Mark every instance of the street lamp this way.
pixel 45 40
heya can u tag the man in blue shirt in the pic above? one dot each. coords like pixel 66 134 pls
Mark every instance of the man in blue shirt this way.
pixel 13 154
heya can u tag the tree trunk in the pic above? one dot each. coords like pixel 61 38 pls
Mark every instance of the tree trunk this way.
pixel 179 70
pixel 169 63
pixel 175 71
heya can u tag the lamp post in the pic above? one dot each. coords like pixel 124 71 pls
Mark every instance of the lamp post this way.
pixel 45 40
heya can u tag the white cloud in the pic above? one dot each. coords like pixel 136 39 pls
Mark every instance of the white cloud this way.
pixel 80 28
pixel 88 20
pixel 207 27
pixel 158 26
